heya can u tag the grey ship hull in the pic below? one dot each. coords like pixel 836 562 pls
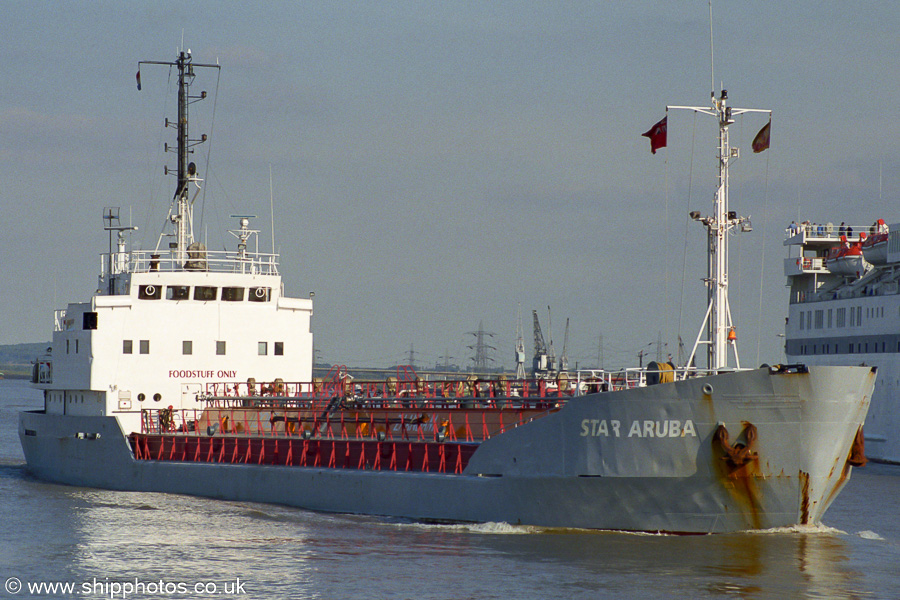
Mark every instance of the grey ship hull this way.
pixel 663 471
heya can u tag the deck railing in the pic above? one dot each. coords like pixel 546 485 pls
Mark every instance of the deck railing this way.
pixel 215 261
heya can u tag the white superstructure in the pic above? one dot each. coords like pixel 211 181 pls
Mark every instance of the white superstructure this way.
pixel 849 316
pixel 164 323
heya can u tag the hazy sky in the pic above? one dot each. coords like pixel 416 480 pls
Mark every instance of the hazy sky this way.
pixel 438 164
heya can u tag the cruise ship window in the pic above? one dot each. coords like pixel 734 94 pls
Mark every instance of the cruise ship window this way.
pixel 220 348
pixel 127 346
pixel 233 294
pixel 263 348
pixel 829 318
pixel 178 292
pixel 149 292
pixel 279 349
pixel 187 347
pixel 205 293
pixel 144 346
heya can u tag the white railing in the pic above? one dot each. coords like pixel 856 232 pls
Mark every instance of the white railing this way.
pixel 216 261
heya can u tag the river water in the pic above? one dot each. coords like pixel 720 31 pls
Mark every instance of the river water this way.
pixel 106 544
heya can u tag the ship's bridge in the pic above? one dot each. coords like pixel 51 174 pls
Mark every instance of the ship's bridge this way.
pixel 116 268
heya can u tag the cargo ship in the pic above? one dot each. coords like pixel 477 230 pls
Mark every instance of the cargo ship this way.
pixel 189 371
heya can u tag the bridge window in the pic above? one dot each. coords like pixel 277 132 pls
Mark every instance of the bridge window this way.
pixel 260 294
pixel 279 349
pixel 187 347
pixel 263 348
pixel 178 292
pixel 149 292
pixel 233 294
pixel 220 348
pixel 127 346
pixel 205 293
pixel 144 346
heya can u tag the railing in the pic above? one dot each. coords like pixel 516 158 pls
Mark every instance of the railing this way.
pixel 390 390
pixel 218 261
pixel 337 420
pixel 826 231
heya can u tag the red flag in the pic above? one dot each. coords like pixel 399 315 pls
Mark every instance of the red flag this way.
pixel 657 135
pixel 761 141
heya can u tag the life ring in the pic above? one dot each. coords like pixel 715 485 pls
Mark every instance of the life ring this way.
pixel 260 292
pixel 150 290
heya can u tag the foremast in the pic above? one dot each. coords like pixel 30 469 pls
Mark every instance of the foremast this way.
pixel 181 211
pixel 717 332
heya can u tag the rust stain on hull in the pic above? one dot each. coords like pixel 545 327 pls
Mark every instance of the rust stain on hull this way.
pixel 738 469
pixel 857 456
pixel 804 498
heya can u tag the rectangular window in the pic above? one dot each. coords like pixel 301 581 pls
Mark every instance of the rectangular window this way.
pixel 279 349
pixel 220 348
pixel 149 292
pixel 859 315
pixel 819 318
pixel 260 294
pixel 829 317
pixel 127 346
pixel 263 348
pixel 89 320
pixel 67 346
pixel 233 294
pixel 802 314
pixel 852 317
pixel 144 346
pixel 205 293
pixel 187 347
pixel 178 292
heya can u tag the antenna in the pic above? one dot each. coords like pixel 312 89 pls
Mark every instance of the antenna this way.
pixel 272 209
pixel 712 77
pixel 181 211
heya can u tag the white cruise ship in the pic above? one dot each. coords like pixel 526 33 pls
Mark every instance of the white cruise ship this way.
pixel 845 310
